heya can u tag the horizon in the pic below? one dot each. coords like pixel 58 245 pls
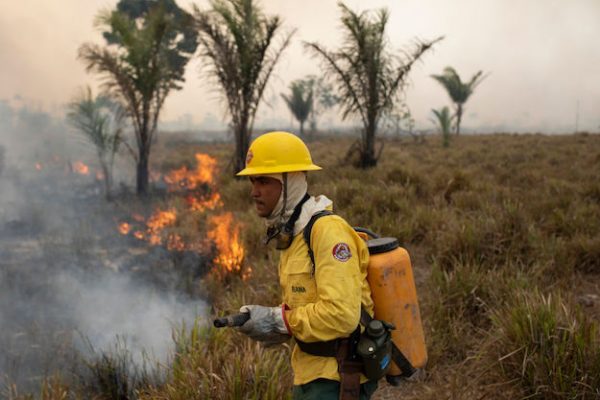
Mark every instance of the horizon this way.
pixel 541 57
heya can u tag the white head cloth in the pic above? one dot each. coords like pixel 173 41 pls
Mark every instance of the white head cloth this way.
pixel 297 186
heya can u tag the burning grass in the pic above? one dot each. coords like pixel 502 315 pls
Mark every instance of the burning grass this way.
pixel 202 202
pixel 499 223
pixel 495 215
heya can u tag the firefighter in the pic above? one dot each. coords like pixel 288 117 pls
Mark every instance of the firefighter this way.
pixel 322 300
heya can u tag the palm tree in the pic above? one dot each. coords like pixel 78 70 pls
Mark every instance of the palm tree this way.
pixel 458 91
pixel 323 98
pixel 367 75
pixel 300 102
pixel 444 122
pixel 149 44
pixel 237 42
pixel 100 120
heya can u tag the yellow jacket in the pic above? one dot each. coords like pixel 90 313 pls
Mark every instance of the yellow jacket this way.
pixel 326 305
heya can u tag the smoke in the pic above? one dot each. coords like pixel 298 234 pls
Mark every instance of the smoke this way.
pixel 116 306
pixel 71 287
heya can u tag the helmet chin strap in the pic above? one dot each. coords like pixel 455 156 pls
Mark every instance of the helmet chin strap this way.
pixel 285 195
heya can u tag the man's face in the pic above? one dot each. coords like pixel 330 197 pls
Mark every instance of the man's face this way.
pixel 265 193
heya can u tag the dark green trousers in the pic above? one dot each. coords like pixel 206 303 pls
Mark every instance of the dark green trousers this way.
pixel 325 389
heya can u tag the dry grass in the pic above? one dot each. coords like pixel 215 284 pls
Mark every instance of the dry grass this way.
pixel 494 216
pixel 500 222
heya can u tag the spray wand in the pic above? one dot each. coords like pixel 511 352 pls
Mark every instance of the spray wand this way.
pixel 232 320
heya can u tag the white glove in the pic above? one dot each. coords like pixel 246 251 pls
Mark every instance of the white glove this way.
pixel 266 324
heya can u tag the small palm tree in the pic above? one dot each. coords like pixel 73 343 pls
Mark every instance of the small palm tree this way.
pixel 458 91
pixel 323 98
pixel 100 120
pixel 444 122
pixel 239 47
pixel 300 102
pixel 367 75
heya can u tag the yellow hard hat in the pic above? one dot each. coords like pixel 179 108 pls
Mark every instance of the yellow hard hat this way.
pixel 277 152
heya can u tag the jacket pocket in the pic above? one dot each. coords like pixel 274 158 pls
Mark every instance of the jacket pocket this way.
pixel 300 285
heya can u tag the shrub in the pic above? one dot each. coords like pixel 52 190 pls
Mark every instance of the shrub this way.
pixel 220 364
pixel 584 253
pixel 552 350
pixel 114 374
pixel 459 308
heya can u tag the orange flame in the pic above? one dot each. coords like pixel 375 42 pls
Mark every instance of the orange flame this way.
pixel 224 231
pixel 124 228
pixel 206 167
pixel 225 234
pixel 157 222
pixel 183 178
pixel 211 203
pixel 99 175
pixel 81 168
pixel 38 166
pixel 175 242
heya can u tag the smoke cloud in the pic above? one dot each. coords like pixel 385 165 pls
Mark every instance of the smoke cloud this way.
pixel 71 287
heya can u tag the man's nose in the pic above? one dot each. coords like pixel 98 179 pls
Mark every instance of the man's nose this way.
pixel 254 192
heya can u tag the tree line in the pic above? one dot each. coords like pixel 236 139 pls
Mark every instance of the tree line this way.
pixel 148 44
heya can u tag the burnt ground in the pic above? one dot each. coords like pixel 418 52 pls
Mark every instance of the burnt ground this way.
pixel 72 286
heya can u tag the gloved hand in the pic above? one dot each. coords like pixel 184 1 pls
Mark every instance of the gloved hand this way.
pixel 266 324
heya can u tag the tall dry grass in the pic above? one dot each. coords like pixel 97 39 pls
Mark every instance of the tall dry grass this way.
pixel 493 215
pixel 499 223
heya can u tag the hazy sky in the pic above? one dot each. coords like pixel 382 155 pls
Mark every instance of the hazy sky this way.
pixel 543 56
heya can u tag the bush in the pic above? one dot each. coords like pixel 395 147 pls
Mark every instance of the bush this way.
pixel 462 301
pixel 114 374
pixel 552 350
pixel 221 364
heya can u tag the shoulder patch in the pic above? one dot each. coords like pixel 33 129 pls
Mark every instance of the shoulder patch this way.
pixel 341 252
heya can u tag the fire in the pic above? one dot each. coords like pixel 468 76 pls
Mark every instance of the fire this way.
pixel 99 175
pixel 211 203
pixel 81 168
pixel 124 228
pixel 38 166
pixel 176 178
pixel 206 167
pixel 157 222
pixel 183 178
pixel 224 231
pixel 154 227
pixel 226 236
pixel 175 242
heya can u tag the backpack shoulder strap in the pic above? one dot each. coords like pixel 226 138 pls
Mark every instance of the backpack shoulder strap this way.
pixel 307 231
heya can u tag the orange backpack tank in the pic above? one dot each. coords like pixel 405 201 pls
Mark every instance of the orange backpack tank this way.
pixel 394 295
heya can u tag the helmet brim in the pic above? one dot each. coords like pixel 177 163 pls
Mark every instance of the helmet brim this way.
pixel 277 170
